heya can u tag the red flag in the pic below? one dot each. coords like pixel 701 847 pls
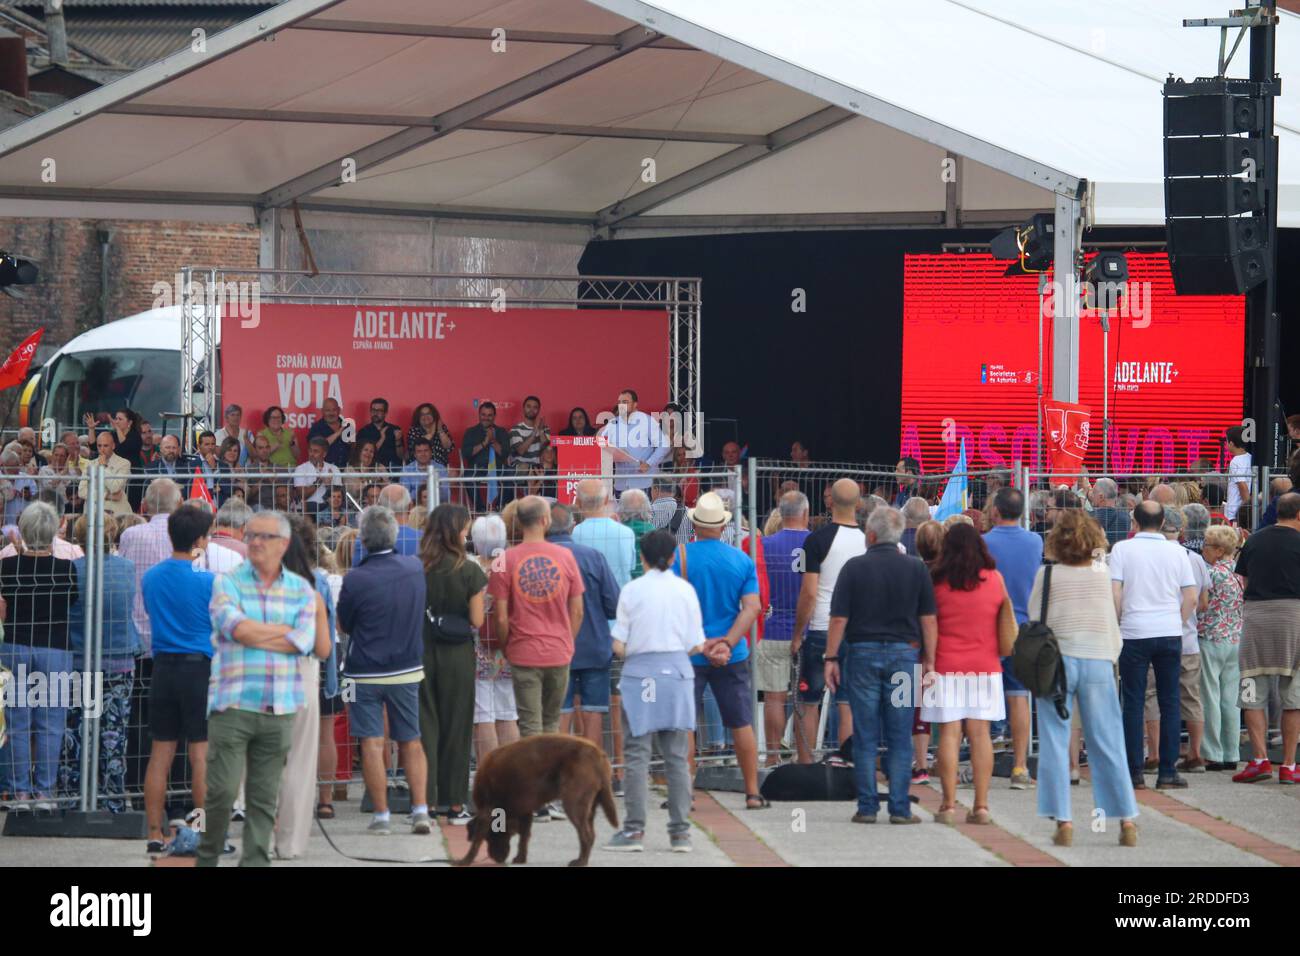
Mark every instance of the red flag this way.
pixel 199 488
pixel 15 367
pixel 1067 439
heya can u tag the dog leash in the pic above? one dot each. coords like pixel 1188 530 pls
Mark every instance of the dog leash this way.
pixel 375 859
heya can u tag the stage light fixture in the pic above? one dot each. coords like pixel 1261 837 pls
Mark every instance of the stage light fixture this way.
pixel 1029 244
pixel 1105 280
pixel 15 270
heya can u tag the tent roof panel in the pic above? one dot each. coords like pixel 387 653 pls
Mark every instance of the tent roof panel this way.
pixel 551 15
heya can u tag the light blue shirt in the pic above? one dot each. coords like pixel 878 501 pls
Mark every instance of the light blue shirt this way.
pixel 615 541
pixel 642 438
pixel 414 477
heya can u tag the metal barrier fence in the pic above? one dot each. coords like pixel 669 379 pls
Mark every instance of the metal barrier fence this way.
pixel 1221 493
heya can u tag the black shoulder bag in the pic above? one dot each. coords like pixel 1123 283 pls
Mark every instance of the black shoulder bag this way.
pixel 1036 660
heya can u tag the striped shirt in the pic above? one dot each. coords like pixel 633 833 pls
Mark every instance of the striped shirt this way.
pixel 246 678
pixel 145 545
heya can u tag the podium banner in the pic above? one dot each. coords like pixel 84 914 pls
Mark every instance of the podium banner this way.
pixel 578 455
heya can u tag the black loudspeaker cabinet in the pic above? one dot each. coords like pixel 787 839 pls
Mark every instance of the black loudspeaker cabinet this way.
pixel 1218 275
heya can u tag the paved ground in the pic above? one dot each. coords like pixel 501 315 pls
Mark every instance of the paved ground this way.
pixel 1213 823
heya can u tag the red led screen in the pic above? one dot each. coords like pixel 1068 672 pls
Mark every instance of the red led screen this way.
pixel 970 356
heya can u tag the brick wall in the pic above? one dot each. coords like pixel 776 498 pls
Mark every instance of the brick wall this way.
pixel 67 298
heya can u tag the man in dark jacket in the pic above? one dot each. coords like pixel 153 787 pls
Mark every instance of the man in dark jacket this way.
pixel 593 649
pixel 381 609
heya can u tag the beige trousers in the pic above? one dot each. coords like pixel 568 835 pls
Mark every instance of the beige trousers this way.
pixel 297 811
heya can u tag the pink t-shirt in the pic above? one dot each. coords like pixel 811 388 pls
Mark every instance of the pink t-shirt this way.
pixel 538 580
pixel 968 626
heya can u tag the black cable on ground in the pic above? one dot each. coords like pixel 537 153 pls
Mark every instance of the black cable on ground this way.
pixel 375 859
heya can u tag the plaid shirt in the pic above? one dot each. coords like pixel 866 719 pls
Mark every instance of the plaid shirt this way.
pixel 246 678
pixel 144 546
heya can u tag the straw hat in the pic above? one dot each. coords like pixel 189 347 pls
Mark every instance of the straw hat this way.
pixel 709 511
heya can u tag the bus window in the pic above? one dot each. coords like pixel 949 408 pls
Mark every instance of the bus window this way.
pixel 145 380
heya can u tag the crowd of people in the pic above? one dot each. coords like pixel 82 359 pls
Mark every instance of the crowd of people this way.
pixel 255 633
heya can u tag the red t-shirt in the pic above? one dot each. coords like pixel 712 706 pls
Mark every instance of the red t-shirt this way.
pixel 538 580
pixel 968 626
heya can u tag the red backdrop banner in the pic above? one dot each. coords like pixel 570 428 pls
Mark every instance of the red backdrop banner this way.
pixel 970 367
pixel 298 355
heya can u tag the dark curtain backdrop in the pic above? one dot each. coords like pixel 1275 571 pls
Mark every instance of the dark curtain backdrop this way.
pixel 831 375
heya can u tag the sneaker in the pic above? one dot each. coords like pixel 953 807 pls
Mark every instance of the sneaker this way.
pixel 459 818
pixel 45 806
pixel 863 818
pixel 556 813
pixel 1192 765
pixel 543 815
pixel 154 847
pixel 380 827
pixel 920 775
pixel 617 786
pixel 237 815
pixel 1074 778
pixel 680 842
pixel 1288 775
pixel 1171 783
pixel 1254 772
pixel 1020 779
pixel 421 823
pixel 913 818
pixel 631 841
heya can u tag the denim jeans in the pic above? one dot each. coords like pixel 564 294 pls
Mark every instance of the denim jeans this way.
pixel 867 670
pixel 1165 655
pixel 1090 685
pixel 29 762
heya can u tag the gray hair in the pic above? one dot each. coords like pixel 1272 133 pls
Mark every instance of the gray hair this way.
pixel 8 457
pixel 163 496
pixel 634 504
pixel 793 504
pixel 916 512
pixel 562 518
pixel 1174 520
pixel 489 535
pixel 38 524
pixel 396 498
pixel 233 514
pixel 886 524
pixel 1198 519
pixel 594 498
pixel 1107 488
pixel 378 528
pixel 283 528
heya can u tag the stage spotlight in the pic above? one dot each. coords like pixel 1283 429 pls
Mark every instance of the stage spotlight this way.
pixel 16 271
pixel 1029 244
pixel 1105 280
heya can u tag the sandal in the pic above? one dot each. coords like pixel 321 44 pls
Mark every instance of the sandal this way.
pixel 946 815
pixel 979 815
pixel 754 801
pixel 324 811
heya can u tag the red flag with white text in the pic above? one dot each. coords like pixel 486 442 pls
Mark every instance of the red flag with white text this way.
pixel 15 367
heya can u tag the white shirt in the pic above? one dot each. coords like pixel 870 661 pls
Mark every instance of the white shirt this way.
pixel 306 475
pixel 218 559
pixel 658 613
pixel 642 438
pixel 1191 645
pixel 1238 470
pixel 1153 570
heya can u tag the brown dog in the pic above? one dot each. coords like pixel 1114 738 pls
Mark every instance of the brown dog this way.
pixel 517 780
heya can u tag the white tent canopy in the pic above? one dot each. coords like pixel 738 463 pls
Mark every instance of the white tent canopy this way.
pixel 757 114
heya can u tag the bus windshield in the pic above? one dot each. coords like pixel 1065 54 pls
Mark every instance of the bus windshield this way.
pixel 146 380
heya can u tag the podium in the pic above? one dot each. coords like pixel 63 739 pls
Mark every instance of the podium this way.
pixel 580 455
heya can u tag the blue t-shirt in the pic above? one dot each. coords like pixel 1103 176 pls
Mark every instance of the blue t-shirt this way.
pixel 1018 554
pixel 779 554
pixel 721 576
pixel 177 598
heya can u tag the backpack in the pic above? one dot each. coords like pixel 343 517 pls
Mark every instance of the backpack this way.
pixel 1036 660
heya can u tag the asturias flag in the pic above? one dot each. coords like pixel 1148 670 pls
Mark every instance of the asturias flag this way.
pixel 15 367
pixel 954 493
